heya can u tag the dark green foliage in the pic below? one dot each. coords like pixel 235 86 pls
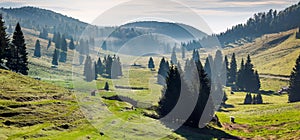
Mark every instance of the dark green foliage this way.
pixel 44 34
pixel 207 68
pixel 240 83
pixel 4 41
pixel 116 68
pixel 254 100
pixel 108 65
pixel 106 87
pixel 248 99
pixel 37 50
pixel 151 63
pixel 226 68
pixel 64 49
pixel 294 91
pixel 18 52
pixel 49 44
pixel 171 93
pixel 196 56
pixel 88 71
pixel 100 67
pixel 95 70
pixel 71 44
pixel 259 99
pixel 162 71
pixel 55 57
pixel 173 57
pixel 233 70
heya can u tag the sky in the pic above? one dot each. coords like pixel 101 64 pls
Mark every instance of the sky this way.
pixel 211 16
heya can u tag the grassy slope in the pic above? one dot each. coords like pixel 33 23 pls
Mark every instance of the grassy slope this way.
pixel 271 54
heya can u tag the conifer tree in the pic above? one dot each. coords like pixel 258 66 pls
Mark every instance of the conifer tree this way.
pixel 88 69
pixel 108 65
pixel 294 90
pixel 49 44
pixel 207 68
pixel 95 71
pixel 259 99
pixel 173 57
pixel 64 49
pixel 196 56
pixel 71 44
pixel 21 60
pixel 240 78
pixel 254 100
pixel 248 99
pixel 106 87
pixel 100 67
pixel 55 57
pixel 162 71
pixel 151 63
pixel 226 68
pixel 171 93
pixel 4 42
pixel 37 50
pixel 233 70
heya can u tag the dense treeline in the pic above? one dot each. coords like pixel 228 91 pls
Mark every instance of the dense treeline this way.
pixel 193 86
pixel 110 67
pixel 13 55
pixel 256 26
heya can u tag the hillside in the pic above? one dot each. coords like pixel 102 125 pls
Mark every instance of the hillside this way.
pixel 272 54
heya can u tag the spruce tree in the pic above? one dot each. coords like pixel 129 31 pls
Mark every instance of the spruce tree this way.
pixel 162 71
pixel 106 87
pixel 71 44
pixel 248 99
pixel 64 49
pixel 294 90
pixel 100 67
pixel 259 99
pixel 95 71
pixel 173 57
pixel 18 42
pixel 170 94
pixel 196 56
pixel 226 68
pixel 88 69
pixel 49 44
pixel 151 63
pixel 233 70
pixel 37 50
pixel 254 100
pixel 4 42
pixel 55 57
pixel 108 65
pixel 207 68
pixel 240 83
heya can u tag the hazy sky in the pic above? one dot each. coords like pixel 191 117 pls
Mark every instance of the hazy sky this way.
pixel 218 14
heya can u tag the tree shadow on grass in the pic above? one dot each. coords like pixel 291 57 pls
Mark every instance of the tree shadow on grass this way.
pixel 204 133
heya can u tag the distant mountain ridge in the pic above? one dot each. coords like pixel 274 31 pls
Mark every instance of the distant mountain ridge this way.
pixel 177 31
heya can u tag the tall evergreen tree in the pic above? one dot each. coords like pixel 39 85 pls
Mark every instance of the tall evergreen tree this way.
pixel 233 70
pixel 162 71
pixel 196 56
pixel 108 65
pixel 100 67
pixel 95 71
pixel 259 99
pixel 226 68
pixel 106 87
pixel 49 44
pixel 18 42
pixel 248 99
pixel 4 41
pixel 55 57
pixel 240 83
pixel 151 63
pixel 37 50
pixel 171 93
pixel 71 44
pixel 207 68
pixel 173 57
pixel 64 49
pixel 88 69
pixel 294 90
